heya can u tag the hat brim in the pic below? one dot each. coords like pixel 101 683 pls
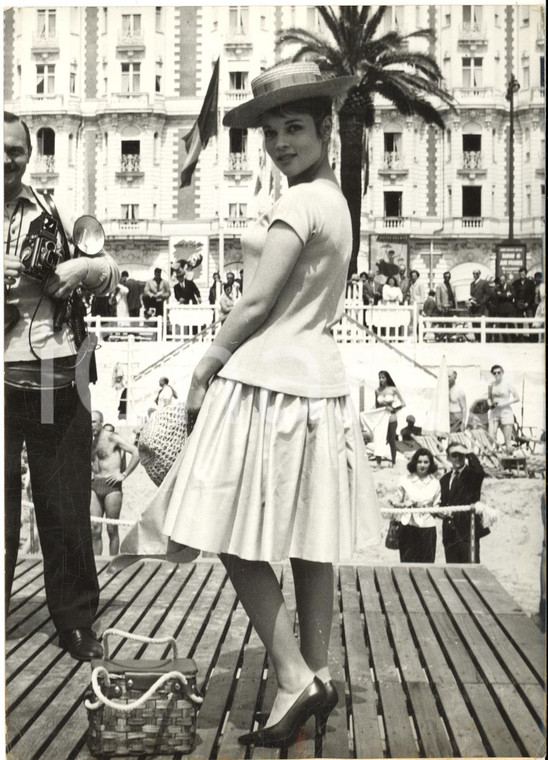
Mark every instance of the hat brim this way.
pixel 249 114
pixel 458 449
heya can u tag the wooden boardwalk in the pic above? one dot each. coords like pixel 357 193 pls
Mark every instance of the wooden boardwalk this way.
pixel 432 662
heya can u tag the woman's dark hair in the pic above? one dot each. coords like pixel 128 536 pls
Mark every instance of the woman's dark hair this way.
pixel 496 366
pixel 389 382
pixel 391 277
pixel 412 464
pixel 415 272
pixel 318 108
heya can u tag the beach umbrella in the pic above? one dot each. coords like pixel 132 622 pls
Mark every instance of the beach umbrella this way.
pixel 437 417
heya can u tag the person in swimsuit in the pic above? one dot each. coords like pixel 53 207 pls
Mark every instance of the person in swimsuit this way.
pixel 107 456
pixel 389 397
pixel 500 396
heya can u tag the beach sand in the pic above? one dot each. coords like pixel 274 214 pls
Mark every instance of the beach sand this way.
pixel 512 552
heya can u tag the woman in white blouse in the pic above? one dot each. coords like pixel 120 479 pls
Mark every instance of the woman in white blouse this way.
pixel 420 488
pixel 391 293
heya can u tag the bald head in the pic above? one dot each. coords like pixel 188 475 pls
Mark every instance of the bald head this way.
pixel 452 376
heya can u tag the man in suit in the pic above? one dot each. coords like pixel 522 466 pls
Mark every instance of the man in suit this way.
pixel 460 486
pixel 445 301
pixel 480 293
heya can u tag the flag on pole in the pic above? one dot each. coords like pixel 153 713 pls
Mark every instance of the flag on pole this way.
pixel 203 129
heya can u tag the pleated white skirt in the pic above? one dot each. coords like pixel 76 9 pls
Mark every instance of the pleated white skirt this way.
pixel 265 476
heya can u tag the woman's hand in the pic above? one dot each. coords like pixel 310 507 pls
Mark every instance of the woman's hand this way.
pixel 194 401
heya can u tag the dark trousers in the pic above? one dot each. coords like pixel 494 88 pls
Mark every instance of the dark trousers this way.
pixel 59 459
pixel 417 544
pixel 456 538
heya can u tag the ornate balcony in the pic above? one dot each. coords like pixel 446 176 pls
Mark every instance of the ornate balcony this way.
pixel 44 169
pixel 236 223
pixel 238 42
pixel 394 222
pixel 130 43
pixel 393 166
pixel 238 168
pixel 469 222
pixel 233 97
pixel 130 168
pixel 45 45
pixel 472 34
pixel 472 164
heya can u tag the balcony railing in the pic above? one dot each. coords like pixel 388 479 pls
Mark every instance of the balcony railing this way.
pixel 130 162
pixel 237 162
pixel 475 93
pixel 237 96
pixel 471 159
pixel 472 32
pixel 538 94
pixel 150 228
pixel 130 41
pixel 128 100
pixel 472 221
pixel 44 41
pixel 45 164
pixel 236 223
pixel 394 222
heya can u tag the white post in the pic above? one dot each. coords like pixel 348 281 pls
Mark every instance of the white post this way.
pixel 98 326
pixel 130 382
pixel 159 331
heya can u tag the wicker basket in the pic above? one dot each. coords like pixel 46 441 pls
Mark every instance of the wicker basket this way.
pixel 142 707
pixel 162 439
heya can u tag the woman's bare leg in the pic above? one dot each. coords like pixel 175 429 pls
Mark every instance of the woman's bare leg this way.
pixel 314 596
pixel 260 594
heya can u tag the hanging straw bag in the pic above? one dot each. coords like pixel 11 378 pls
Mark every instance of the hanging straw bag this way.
pixel 162 439
pixel 142 707
pixel 393 535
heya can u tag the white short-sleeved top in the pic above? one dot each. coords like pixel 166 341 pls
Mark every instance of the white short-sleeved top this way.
pixel 294 352
pixel 421 491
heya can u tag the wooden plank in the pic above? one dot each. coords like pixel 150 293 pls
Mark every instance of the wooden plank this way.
pixel 495 596
pixel 68 680
pixel 397 724
pixel 381 649
pixel 525 726
pixel 509 657
pixel 433 737
pixel 335 742
pixel 425 589
pixel 367 738
pixel 177 581
pixel 535 696
pixel 461 724
pixel 368 589
pixel 491 723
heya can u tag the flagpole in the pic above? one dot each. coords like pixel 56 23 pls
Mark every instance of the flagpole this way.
pixel 220 172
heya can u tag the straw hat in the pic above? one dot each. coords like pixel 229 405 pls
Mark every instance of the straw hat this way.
pixel 285 84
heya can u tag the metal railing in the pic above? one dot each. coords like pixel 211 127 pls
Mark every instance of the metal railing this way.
pixel 120 328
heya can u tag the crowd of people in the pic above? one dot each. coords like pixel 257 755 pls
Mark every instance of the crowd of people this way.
pixel 391 285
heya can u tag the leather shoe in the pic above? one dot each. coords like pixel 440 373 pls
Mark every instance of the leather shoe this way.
pixel 282 734
pixel 80 643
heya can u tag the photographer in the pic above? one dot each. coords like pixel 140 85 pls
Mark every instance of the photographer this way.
pixel 47 395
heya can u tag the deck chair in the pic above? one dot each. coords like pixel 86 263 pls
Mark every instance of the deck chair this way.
pixel 494 458
pixel 431 443
pixel 524 438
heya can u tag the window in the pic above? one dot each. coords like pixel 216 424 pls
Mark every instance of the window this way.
pixel 471 16
pixel 263 23
pixel 131 78
pixel 449 201
pixel 71 149
pixel 237 210
pixel 156 148
pixel 238 19
pixel 131 24
pixel 238 80
pixel 541 58
pixel 392 204
pixel 47 22
pixel 471 201
pixel 130 211
pixel 527 145
pixel 472 72
pixel 238 140
pixel 158 17
pixel 528 200
pixel 131 156
pixel 525 75
pixel 525 15
pixel 45 78
pixel 447 19
pixel 392 149
pixel 104 20
pixel 471 151
pixel 72 79
pixel 449 145
pixel 45 141
pixel 158 79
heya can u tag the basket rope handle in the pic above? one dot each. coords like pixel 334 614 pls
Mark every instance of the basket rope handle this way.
pixel 102 699
pixel 137 637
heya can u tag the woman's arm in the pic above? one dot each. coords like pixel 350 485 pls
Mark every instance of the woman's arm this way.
pixel 280 253
pixel 514 393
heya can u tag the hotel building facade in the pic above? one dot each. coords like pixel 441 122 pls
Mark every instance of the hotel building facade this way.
pixel 109 92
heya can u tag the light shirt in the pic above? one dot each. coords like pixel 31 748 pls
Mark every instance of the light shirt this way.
pixel 421 491
pixel 26 293
pixel 416 293
pixel 294 351
pixel 457 401
pixel 391 294
pixel 162 289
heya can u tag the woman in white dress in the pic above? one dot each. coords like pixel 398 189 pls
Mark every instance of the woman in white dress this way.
pixel 420 488
pixel 275 466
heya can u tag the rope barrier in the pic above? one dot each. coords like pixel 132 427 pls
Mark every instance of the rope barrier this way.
pixel 428 510
pixel 111 521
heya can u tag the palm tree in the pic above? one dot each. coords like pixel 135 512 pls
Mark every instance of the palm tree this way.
pixel 386 66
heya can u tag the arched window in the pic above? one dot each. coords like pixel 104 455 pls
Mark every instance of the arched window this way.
pixel 45 141
pixel 156 148
pixel 71 149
